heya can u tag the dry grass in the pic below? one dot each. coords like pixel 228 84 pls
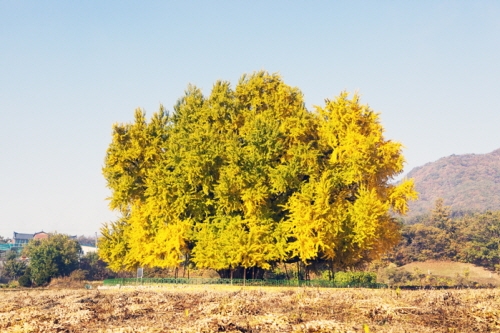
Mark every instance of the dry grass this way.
pixel 233 309
pixel 453 269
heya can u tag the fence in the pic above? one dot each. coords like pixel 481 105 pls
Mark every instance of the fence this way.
pixel 240 282
pixel 7 247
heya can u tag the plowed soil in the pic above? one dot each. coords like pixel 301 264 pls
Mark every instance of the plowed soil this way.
pixel 231 309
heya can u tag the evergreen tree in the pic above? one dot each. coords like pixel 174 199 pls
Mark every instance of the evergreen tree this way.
pixel 440 215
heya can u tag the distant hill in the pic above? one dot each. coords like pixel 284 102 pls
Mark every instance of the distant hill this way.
pixel 466 183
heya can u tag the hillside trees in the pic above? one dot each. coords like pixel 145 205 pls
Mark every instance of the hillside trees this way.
pixel 472 238
pixel 248 177
pixel 480 236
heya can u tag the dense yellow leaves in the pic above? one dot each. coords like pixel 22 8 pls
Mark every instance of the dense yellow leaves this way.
pixel 248 177
pixel 400 195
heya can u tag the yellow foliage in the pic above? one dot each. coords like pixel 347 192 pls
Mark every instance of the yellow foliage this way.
pixel 245 177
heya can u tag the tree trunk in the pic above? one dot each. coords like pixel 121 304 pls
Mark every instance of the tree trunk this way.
pixel 298 272
pixel 186 265
pixel 332 272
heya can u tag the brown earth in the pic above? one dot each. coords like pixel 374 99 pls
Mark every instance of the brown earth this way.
pixel 232 309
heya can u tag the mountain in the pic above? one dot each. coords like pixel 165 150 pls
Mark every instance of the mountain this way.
pixel 466 183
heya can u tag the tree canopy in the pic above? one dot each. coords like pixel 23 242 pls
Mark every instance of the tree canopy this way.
pixel 247 177
pixel 472 238
pixel 12 267
pixel 52 257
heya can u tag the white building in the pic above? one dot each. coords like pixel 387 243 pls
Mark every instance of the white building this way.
pixel 88 249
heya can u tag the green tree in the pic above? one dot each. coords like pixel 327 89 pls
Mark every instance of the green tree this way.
pixel 13 268
pixel 480 238
pixel 440 216
pixel 11 255
pixel 423 242
pixel 472 238
pixel 436 236
pixel 96 269
pixel 52 257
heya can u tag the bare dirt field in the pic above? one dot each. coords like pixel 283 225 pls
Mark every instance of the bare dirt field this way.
pixel 236 309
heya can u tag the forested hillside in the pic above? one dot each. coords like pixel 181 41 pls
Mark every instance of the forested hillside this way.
pixel 466 183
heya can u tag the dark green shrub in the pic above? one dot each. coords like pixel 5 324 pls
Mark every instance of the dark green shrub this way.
pixel 24 281
pixel 398 276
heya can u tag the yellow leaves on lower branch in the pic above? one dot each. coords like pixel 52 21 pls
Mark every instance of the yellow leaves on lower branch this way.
pixel 401 194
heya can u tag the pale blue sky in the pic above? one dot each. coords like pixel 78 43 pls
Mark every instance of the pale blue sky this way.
pixel 70 69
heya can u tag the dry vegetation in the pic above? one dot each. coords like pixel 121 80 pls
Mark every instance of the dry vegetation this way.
pixel 231 309
pixel 453 269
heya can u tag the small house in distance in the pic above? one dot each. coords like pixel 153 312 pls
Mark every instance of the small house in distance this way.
pixel 20 240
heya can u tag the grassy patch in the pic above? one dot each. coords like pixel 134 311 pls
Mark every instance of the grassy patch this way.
pixel 453 269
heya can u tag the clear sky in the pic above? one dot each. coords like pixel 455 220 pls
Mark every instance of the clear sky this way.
pixel 70 69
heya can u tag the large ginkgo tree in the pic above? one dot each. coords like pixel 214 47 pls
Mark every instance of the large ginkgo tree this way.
pixel 247 177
